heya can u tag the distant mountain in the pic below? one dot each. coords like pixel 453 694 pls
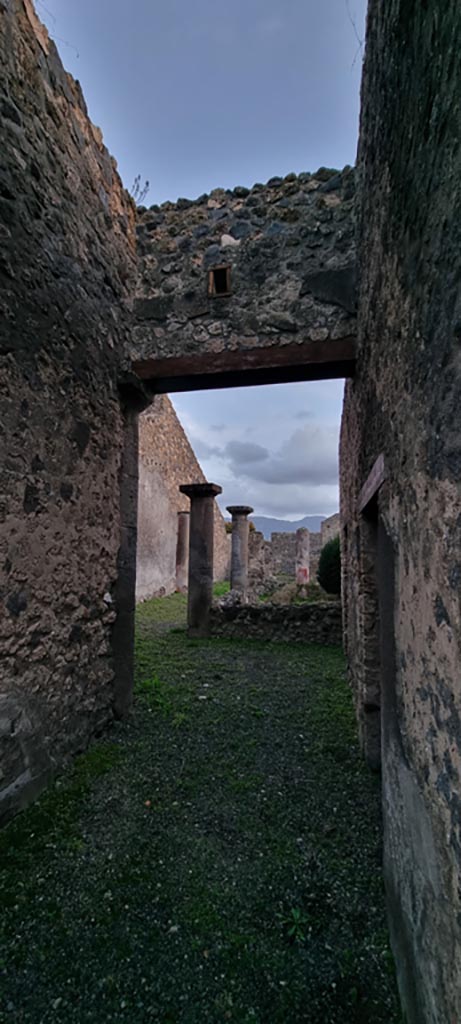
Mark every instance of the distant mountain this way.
pixel 268 525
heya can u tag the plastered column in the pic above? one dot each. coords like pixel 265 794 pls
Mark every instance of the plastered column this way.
pixel 302 556
pixel 182 552
pixel 239 552
pixel 200 592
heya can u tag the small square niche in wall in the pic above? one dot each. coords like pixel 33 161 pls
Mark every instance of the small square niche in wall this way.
pixel 219 282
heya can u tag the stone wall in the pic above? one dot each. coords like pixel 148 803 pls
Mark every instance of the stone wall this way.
pixel 289 248
pixel 302 623
pixel 281 554
pixel 315 547
pixel 66 269
pixel 330 528
pixel 166 460
pixel 401 545
pixel 257 569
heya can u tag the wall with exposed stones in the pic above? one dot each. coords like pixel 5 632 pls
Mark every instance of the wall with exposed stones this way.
pixel 166 460
pixel 281 553
pixel 402 552
pixel 68 466
pixel 290 249
pixel 66 270
pixel 315 547
pixel 302 623
pixel 257 569
pixel 330 528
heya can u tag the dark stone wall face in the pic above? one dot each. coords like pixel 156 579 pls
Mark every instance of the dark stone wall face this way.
pixel 290 249
pixel 307 624
pixel 405 404
pixel 66 269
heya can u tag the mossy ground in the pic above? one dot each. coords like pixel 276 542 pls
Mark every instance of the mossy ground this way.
pixel 218 859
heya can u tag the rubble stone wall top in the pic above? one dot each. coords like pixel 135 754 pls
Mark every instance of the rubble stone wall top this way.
pixel 290 251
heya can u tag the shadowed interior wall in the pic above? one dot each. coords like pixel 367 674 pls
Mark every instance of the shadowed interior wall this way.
pixel 404 403
pixel 167 460
pixel 66 268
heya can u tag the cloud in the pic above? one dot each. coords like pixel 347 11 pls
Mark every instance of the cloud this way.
pixel 290 501
pixel 203 450
pixel 241 453
pixel 283 462
pixel 309 456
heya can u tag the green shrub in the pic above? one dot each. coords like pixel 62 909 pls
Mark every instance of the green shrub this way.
pixel 329 570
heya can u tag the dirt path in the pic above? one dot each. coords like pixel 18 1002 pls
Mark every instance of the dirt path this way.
pixel 217 859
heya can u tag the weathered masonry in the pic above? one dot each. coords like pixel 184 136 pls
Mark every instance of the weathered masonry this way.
pixel 400 465
pixel 68 426
pixel 248 286
pixel 166 460
pixel 237 288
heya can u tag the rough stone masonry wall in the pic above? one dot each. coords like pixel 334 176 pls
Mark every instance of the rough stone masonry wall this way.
pixel 282 553
pixel 290 246
pixel 66 269
pixel 405 404
pixel 315 547
pixel 308 623
pixel 166 460
pixel 330 528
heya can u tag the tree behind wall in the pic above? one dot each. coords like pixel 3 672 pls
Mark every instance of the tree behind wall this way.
pixel 329 570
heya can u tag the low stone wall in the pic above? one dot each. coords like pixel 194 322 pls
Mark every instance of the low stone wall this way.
pixel 304 623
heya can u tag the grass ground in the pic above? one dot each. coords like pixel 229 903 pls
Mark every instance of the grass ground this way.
pixel 216 859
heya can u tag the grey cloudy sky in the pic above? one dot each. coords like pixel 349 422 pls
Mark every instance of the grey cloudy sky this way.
pixel 196 94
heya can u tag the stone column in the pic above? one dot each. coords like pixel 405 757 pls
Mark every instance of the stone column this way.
pixel 200 592
pixel 182 552
pixel 302 556
pixel 239 552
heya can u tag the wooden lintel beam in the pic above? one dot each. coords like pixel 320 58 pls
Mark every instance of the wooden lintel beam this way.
pixel 374 481
pixel 271 365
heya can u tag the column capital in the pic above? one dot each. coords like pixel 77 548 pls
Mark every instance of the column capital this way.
pixel 204 490
pixel 184 512
pixel 239 510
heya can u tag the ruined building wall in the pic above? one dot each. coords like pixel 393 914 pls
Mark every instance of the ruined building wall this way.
pixel 330 528
pixel 402 553
pixel 290 249
pixel 315 547
pixel 166 460
pixel 66 267
pixel 282 553
pixel 257 568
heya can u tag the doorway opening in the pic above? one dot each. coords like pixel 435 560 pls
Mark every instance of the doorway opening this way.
pixel 369 689
pixel 271 450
